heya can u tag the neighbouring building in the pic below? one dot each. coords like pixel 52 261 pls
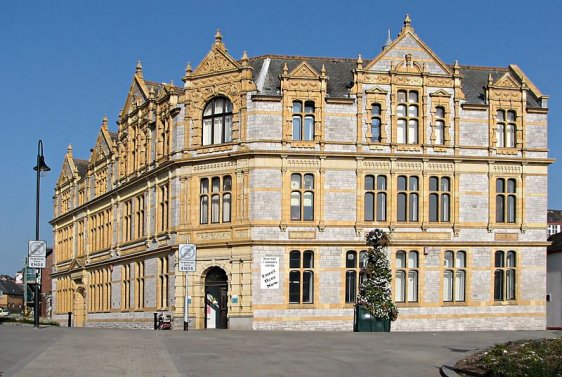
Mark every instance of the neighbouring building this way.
pixel 554 221
pixel 11 295
pixel 275 167
pixel 46 285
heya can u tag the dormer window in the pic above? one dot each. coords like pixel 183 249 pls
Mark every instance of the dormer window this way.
pixel 303 120
pixel 217 122
pixel 505 131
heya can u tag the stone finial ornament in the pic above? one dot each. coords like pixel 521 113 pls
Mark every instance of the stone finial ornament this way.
pixel 104 121
pixel 138 70
pixel 388 40
pixel 218 38
pixel 245 59
pixel 285 69
pixel 407 21
pixel 69 150
pixel 359 62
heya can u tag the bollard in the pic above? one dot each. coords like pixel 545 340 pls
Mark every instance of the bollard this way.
pixel 155 321
pixel 185 326
pixel 69 319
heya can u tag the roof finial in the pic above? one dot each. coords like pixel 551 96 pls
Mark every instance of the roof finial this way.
pixel 323 70
pixel 218 37
pixel 151 93
pixel 490 79
pixel 69 150
pixel 456 67
pixel 285 69
pixel 407 21
pixel 388 40
pixel 104 121
pixel 245 58
pixel 359 61
pixel 138 70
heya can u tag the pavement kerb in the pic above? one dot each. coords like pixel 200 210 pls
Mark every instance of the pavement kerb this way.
pixel 448 368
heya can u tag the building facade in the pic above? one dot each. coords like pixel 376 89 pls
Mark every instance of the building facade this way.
pixel 275 167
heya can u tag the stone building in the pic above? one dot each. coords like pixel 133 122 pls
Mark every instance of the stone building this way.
pixel 275 167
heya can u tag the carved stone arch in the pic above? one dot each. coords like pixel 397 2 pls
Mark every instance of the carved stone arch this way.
pixel 408 65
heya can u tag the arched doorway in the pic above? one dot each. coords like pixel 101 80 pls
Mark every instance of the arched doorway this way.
pixel 216 299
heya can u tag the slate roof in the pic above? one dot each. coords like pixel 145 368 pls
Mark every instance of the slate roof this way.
pixel 476 78
pixel 113 136
pixel 340 76
pixel 338 70
pixel 11 288
pixel 554 215
pixel 82 166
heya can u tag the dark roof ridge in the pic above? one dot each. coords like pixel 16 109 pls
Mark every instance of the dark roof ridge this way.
pixel 481 67
pixel 296 57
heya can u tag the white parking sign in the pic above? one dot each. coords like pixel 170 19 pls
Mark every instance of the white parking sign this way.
pixel 188 254
pixel 37 254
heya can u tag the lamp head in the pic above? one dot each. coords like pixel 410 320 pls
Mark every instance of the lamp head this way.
pixel 41 165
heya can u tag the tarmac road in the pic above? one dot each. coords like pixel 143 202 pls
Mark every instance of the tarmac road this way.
pixel 85 352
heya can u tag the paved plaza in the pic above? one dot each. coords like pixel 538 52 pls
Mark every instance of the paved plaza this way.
pixel 65 352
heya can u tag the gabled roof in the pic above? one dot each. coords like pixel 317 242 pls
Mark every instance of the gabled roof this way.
pixel 11 288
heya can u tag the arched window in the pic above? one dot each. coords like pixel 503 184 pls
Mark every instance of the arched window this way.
pixel 217 122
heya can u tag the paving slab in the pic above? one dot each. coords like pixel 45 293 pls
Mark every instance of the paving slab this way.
pixel 63 352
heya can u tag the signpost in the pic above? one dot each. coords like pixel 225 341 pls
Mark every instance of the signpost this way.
pixel 187 263
pixel 37 254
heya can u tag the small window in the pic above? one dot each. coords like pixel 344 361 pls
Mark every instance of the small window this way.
pixel 301 277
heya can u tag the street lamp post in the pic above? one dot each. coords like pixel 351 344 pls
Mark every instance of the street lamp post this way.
pixel 40 167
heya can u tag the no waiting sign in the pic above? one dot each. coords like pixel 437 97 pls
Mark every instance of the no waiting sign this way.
pixel 188 254
pixel 37 253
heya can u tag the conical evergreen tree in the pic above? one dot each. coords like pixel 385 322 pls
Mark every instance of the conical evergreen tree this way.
pixel 374 292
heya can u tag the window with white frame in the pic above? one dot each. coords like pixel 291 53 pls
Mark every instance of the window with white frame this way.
pixel 217 122
pixel 439 125
pixel 454 276
pixel 303 120
pixel 505 128
pixel 353 270
pixel 302 197
pixel 406 276
pixel 407 111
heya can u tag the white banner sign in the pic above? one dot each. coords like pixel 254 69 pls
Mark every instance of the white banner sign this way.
pixel 269 273
pixel 188 254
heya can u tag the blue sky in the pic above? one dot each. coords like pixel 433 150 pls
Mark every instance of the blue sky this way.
pixel 64 64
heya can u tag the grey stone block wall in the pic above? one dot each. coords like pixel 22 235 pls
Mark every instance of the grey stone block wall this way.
pixel 473 206
pixel 265 205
